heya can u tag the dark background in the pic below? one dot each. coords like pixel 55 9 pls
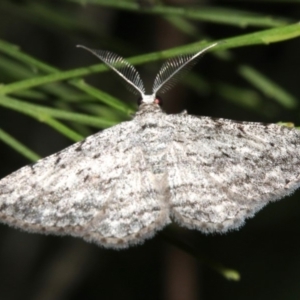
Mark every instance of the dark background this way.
pixel 266 251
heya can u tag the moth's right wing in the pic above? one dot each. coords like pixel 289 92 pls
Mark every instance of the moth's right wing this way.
pixel 99 189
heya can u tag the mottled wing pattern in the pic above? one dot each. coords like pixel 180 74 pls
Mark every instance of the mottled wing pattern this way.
pixel 99 189
pixel 221 172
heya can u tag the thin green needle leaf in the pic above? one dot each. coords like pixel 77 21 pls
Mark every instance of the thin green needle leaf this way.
pixel 243 97
pixel 268 87
pixel 38 111
pixel 19 147
pixel 15 52
pixel 104 97
pixel 66 131
pixel 183 25
pixel 207 14
pixel 17 70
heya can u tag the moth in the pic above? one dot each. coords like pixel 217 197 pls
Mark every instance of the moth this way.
pixel 118 187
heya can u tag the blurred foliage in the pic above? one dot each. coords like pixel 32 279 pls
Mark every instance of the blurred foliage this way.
pixel 44 78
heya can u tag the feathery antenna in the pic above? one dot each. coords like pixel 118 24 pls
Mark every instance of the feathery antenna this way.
pixel 122 68
pixel 174 68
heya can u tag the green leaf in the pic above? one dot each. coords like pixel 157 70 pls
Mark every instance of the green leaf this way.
pixel 271 89
pixel 16 145
pixel 206 14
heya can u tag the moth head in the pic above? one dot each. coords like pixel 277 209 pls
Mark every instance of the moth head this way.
pixel 150 99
